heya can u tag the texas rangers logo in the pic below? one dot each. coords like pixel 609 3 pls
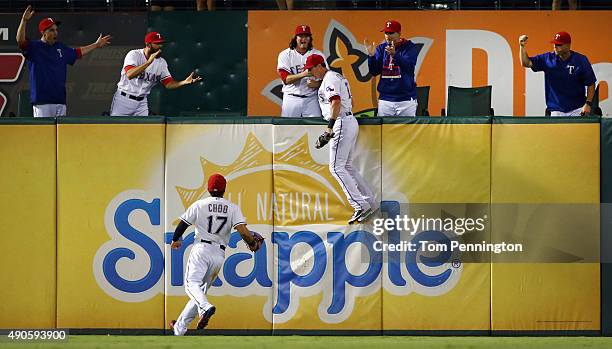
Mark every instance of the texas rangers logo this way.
pixel 346 55
pixel 570 69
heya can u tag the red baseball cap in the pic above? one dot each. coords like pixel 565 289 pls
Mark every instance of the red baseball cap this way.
pixel 47 23
pixel 562 38
pixel 216 183
pixel 302 29
pixel 392 26
pixel 314 60
pixel 154 38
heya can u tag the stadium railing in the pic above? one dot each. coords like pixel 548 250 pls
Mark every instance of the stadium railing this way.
pixel 9 6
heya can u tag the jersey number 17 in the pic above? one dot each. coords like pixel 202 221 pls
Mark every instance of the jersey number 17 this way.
pixel 216 218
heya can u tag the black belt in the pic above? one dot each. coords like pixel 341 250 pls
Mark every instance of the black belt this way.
pixel 132 97
pixel 210 242
pixel 348 113
pixel 298 96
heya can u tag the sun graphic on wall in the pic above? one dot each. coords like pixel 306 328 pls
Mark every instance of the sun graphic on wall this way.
pixel 285 188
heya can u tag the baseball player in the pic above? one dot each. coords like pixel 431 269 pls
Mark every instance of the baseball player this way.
pixel 142 69
pixel 342 129
pixel 394 60
pixel 299 88
pixel 566 74
pixel 47 60
pixel 214 219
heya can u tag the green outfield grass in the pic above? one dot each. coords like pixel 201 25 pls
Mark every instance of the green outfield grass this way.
pixel 313 342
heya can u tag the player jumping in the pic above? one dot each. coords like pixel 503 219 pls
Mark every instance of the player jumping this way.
pixel 336 105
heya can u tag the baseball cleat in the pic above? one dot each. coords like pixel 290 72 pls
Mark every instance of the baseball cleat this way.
pixel 355 216
pixel 205 317
pixel 367 214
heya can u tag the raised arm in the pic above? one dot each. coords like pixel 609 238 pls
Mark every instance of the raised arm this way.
pixel 375 57
pixel 21 31
pixel 525 61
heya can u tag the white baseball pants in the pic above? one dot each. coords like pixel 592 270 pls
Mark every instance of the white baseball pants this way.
pixel 341 151
pixel 575 112
pixel 296 107
pixel 205 261
pixel 403 108
pixel 125 106
pixel 48 110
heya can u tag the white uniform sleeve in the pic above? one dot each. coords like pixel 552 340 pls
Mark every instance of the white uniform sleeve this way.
pixel 331 88
pixel 191 215
pixel 283 62
pixel 165 73
pixel 131 59
pixel 237 217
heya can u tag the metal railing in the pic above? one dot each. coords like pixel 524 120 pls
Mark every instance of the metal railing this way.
pixel 190 5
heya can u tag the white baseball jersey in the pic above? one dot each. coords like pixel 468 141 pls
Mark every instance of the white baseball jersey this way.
pixel 214 218
pixel 334 84
pixel 293 63
pixel 142 85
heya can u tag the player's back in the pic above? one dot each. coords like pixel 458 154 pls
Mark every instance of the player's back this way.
pixel 334 84
pixel 214 219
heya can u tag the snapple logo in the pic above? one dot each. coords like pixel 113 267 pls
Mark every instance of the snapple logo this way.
pixel 130 266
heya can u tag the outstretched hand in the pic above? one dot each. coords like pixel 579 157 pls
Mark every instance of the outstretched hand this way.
pixel 370 46
pixel 103 40
pixel 192 78
pixel 27 14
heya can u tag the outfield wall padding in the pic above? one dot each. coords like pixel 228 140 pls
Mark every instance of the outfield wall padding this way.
pixel 123 182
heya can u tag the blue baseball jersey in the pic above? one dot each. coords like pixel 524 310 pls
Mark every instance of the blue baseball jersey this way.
pixel 565 81
pixel 397 81
pixel 47 65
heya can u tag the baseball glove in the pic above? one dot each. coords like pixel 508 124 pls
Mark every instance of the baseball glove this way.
pixel 323 139
pixel 258 241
